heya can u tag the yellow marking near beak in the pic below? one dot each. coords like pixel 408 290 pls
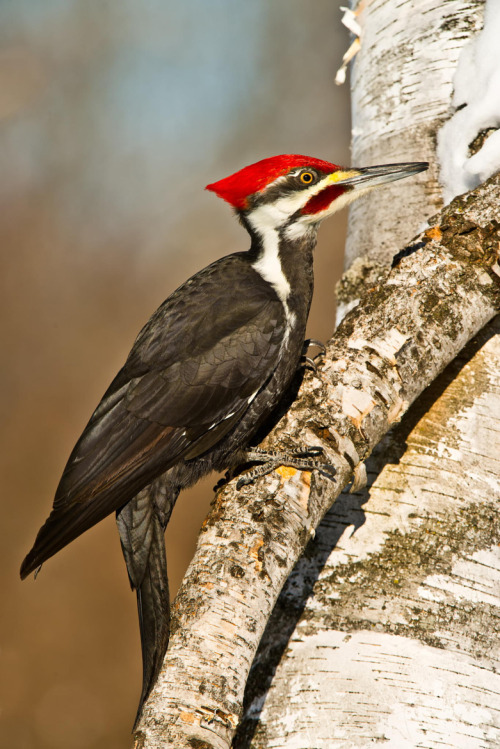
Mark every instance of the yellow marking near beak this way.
pixel 340 176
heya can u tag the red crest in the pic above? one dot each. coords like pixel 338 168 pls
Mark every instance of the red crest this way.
pixel 237 188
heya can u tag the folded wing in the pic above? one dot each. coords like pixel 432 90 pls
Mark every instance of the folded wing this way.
pixel 188 379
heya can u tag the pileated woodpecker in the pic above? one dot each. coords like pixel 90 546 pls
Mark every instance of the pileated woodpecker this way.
pixel 205 372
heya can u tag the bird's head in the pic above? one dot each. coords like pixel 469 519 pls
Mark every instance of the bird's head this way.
pixel 294 193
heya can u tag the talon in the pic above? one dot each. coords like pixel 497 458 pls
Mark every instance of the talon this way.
pixel 309 363
pixel 318 344
pixel 309 451
pixel 222 481
pixel 329 470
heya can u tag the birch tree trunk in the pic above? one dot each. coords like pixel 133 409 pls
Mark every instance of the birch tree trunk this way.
pixel 387 629
pixel 385 353
pixel 384 629
pixel 401 88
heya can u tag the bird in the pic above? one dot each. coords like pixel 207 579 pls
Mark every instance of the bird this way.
pixel 207 370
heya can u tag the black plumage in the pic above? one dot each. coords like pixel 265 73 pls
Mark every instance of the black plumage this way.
pixel 188 378
pixel 205 372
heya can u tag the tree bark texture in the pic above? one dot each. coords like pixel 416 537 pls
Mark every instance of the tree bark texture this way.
pixel 386 352
pixel 387 629
pixel 401 87
pixel 395 606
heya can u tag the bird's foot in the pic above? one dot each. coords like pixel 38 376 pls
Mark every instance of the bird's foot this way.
pixel 305 459
pixel 306 361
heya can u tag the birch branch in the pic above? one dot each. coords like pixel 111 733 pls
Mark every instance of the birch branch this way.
pixel 386 352
pixel 387 628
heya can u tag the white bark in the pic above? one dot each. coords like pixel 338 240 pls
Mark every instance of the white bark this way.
pixel 401 87
pixel 465 162
pixel 387 630
pixel 372 372
pixel 395 644
pixel 398 640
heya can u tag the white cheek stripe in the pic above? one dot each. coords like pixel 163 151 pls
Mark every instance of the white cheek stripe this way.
pixel 285 207
pixel 269 217
pixel 276 214
pixel 267 220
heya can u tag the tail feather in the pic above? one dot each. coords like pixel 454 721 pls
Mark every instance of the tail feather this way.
pixel 153 604
pixel 141 523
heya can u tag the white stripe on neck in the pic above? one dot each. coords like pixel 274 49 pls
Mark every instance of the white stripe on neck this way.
pixel 264 221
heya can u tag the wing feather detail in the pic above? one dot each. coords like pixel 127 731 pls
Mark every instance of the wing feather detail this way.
pixel 188 379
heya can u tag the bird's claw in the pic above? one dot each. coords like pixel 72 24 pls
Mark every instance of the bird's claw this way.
pixel 317 344
pixel 309 363
pixel 306 360
pixel 303 459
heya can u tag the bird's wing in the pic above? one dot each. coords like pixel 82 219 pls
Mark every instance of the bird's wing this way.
pixel 182 388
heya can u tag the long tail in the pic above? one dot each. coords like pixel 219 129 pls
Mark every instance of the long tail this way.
pixel 141 523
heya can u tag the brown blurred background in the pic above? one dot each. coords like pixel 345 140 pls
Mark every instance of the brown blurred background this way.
pixel 113 117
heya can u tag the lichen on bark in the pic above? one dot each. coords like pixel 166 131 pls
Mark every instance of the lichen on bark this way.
pixel 381 358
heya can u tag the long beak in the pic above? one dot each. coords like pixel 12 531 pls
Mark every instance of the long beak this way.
pixel 371 176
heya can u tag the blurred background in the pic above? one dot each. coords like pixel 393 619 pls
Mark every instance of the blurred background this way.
pixel 113 117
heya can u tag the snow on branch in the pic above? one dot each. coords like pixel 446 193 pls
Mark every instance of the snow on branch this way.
pixel 443 289
pixel 476 99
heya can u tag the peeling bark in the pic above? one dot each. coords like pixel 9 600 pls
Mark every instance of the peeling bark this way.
pixel 390 620
pixel 383 632
pixel 386 352
pixel 387 629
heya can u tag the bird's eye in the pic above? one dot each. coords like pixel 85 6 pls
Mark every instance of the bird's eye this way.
pixel 307 178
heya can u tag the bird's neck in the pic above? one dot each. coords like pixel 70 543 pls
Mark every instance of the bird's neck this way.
pixel 284 258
